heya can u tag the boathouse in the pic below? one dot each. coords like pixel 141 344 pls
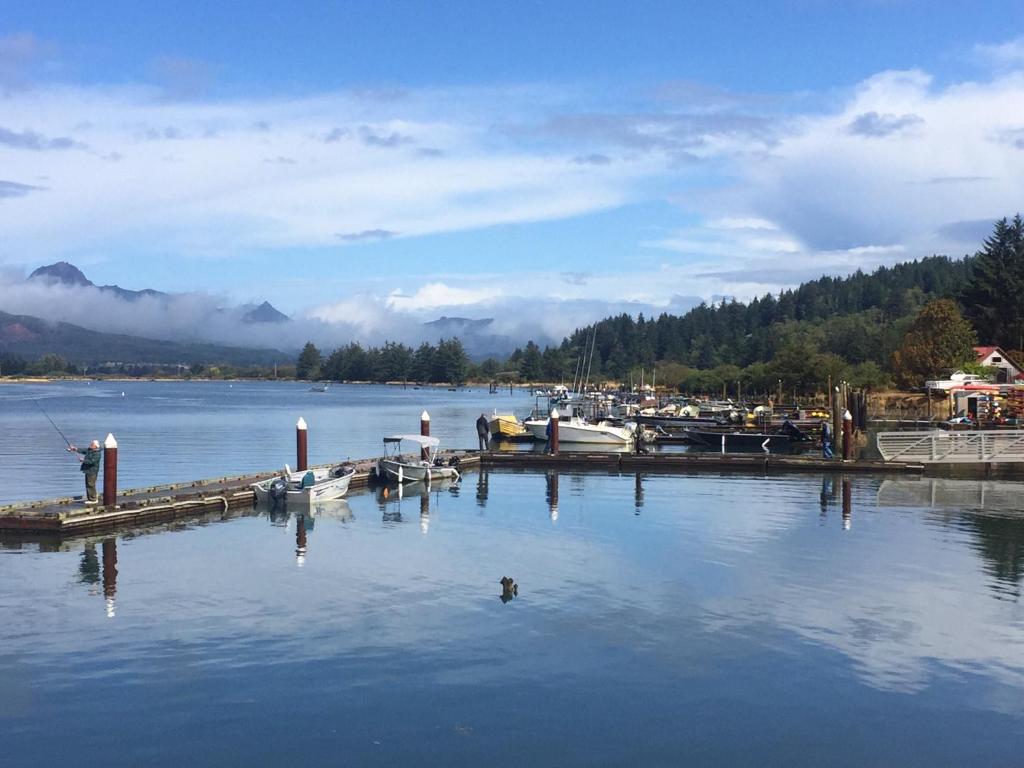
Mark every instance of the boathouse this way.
pixel 1006 370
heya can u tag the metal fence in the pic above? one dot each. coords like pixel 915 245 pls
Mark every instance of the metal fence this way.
pixel 940 446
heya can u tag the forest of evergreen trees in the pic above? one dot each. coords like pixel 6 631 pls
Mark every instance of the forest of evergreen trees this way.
pixel 849 328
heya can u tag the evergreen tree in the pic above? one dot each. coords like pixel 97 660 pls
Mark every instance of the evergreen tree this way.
pixel 308 364
pixel 531 363
pixel 994 296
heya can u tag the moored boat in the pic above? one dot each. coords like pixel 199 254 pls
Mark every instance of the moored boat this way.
pixel 313 485
pixel 505 425
pixel 420 466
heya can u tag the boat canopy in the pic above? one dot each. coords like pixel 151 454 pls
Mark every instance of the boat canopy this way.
pixel 424 442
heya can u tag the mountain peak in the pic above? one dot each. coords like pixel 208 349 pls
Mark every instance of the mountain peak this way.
pixel 265 313
pixel 61 272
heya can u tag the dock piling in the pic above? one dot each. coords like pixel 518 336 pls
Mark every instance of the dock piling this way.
pixel 554 431
pixel 301 446
pixel 424 432
pixel 847 435
pixel 110 471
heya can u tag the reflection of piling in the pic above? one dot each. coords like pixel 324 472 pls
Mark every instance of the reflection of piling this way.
pixel 424 512
pixel 301 446
pixel 300 540
pixel 847 436
pixel 425 432
pixel 110 574
pixel 847 503
pixel 482 481
pixel 551 480
pixel 554 431
pixel 638 494
pixel 110 471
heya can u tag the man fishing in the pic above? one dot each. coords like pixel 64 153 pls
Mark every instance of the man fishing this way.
pixel 90 458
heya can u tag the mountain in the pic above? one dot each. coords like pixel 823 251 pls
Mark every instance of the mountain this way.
pixel 31 337
pixel 264 313
pixel 459 326
pixel 68 274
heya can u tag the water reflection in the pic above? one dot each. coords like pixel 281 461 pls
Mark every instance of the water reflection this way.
pixel 551 494
pixel 991 510
pixel 482 481
pixel 110 575
pixel 689 608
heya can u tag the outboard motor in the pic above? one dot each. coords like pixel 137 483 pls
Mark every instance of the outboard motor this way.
pixel 454 462
pixel 278 491
pixel 343 469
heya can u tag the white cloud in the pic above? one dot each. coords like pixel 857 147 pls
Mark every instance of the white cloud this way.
pixel 1008 54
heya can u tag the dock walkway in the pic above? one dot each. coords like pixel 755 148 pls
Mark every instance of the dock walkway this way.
pixel 161 503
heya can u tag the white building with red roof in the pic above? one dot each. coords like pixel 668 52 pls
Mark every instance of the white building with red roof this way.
pixel 1007 370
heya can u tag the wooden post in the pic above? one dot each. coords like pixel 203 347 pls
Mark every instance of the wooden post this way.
pixel 301 446
pixel 110 471
pixel 425 432
pixel 847 435
pixel 554 431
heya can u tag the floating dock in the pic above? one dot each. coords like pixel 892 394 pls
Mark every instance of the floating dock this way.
pixel 162 503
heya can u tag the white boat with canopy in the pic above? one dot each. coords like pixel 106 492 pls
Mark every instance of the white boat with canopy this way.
pixel 422 465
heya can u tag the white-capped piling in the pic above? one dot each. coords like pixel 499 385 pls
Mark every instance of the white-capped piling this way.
pixel 110 471
pixel 301 446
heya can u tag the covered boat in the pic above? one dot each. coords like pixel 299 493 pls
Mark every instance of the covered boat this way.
pixel 306 488
pixel 421 465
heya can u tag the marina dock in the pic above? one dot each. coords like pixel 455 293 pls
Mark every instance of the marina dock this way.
pixel 162 503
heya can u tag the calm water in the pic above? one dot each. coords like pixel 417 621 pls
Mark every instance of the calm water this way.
pixel 178 431
pixel 660 620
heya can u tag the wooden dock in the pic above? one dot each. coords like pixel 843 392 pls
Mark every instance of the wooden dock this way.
pixel 689 462
pixel 224 495
pixel 160 503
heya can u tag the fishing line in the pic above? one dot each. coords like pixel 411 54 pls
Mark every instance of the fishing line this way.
pixel 52 422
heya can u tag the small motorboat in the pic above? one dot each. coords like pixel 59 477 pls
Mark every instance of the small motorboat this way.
pixel 422 465
pixel 318 388
pixel 306 488
pixel 788 436
pixel 505 425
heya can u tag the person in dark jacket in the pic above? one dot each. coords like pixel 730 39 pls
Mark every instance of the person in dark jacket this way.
pixel 90 459
pixel 826 440
pixel 483 431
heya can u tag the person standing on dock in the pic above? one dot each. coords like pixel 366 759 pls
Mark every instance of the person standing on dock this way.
pixel 483 431
pixel 826 440
pixel 90 467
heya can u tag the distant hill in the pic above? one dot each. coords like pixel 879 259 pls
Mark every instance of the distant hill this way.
pixel 265 313
pixel 459 326
pixel 69 274
pixel 31 337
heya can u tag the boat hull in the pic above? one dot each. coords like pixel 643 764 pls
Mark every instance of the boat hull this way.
pixel 506 425
pixel 324 488
pixel 576 432
pixel 413 472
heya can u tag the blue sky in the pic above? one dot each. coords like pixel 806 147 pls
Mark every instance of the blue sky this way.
pixel 368 163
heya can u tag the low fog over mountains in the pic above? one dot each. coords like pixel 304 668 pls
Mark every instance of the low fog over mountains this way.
pixel 62 293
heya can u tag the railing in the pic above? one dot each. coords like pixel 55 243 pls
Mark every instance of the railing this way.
pixel 939 446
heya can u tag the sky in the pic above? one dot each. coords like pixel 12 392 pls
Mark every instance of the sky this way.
pixel 370 165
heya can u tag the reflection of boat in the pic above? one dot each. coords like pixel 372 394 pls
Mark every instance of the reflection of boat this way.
pixel 314 485
pixel 392 495
pixel 505 425
pixel 577 430
pixel 333 509
pixel 407 469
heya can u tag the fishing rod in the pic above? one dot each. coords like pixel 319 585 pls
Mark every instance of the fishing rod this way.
pixel 52 422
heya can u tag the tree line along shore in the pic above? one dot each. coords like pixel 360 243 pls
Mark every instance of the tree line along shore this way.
pixel 894 327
